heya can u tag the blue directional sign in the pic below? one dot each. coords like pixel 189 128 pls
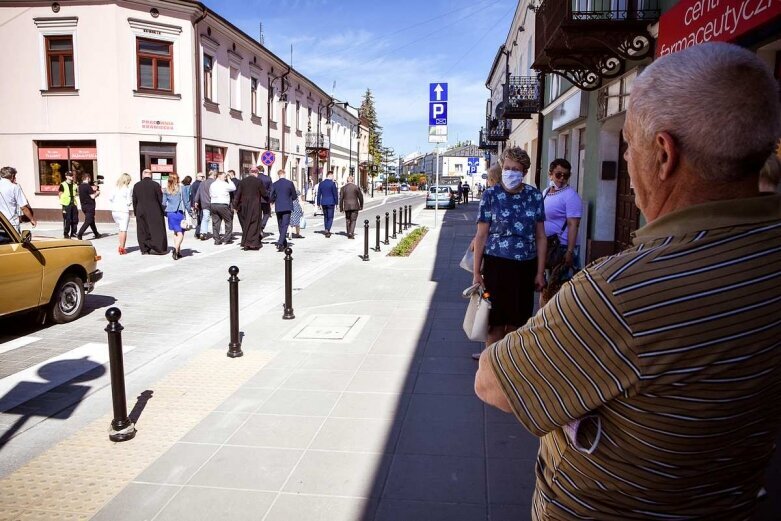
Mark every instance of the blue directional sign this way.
pixel 473 162
pixel 437 113
pixel 437 91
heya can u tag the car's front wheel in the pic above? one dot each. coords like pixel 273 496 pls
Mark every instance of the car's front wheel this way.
pixel 68 300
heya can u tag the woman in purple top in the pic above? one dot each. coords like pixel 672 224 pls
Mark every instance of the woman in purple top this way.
pixel 563 210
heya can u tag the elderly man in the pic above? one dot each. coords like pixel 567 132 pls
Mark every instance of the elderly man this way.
pixel 652 377
pixel 12 199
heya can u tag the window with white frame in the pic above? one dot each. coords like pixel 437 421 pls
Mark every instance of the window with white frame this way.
pixel 253 86
pixel 155 61
pixel 208 77
pixel 58 60
pixel 298 115
pixel 235 89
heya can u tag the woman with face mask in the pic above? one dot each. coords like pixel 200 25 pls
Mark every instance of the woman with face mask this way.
pixel 510 246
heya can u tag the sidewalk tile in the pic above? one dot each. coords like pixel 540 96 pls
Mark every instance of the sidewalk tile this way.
pixel 209 504
pixel 382 382
pixel 442 438
pixel 370 405
pixel 269 430
pixel 434 407
pixel 178 464
pixel 452 349
pixel 300 403
pixel 448 365
pixel 500 512
pixel 333 362
pixel 428 383
pixel 390 363
pixel 356 435
pixel 299 507
pixel 246 399
pixel 247 468
pixel 216 427
pixel 395 510
pixel 510 481
pixel 268 378
pixel 339 474
pixel 136 502
pixel 437 478
pixel 317 380
pixel 510 440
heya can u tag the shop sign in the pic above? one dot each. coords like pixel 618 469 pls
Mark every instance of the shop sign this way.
pixel 161 168
pixel 156 124
pixel 691 22
pixel 322 155
pixel 52 154
pixel 214 157
pixel 84 153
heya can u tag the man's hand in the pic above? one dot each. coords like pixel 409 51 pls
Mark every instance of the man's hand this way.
pixel 569 258
pixel 487 386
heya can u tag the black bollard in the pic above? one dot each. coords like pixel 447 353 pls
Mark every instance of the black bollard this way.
pixel 288 314
pixel 122 429
pixel 365 240
pixel 409 219
pixel 406 216
pixel 377 230
pixel 401 221
pixel 387 225
pixel 394 224
pixel 234 347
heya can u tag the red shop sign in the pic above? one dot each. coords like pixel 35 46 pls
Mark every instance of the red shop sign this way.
pixel 691 22
pixel 161 168
pixel 52 153
pixel 214 157
pixel 84 153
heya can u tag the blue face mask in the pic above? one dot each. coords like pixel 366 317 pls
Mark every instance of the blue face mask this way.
pixel 512 178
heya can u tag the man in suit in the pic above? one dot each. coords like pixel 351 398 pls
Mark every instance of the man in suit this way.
pixel 350 202
pixel 199 177
pixel 246 201
pixel 283 193
pixel 265 200
pixel 327 199
pixel 148 207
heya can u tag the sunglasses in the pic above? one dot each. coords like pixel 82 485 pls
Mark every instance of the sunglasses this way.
pixel 559 175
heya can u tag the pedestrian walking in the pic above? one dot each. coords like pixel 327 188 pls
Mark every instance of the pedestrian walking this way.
pixel 563 209
pixel 465 193
pixel 221 212
pixel 327 199
pixel 510 246
pixel 121 202
pixel 651 377
pixel 87 195
pixel 186 193
pixel 69 199
pixel 197 212
pixel 247 200
pixel 148 207
pixel 283 193
pixel 350 202
pixel 13 203
pixel 265 200
pixel 174 202
pixel 459 192
pixel 203 202
pixel 297 215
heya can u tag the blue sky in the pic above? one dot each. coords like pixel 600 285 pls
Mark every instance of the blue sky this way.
pixel 395 48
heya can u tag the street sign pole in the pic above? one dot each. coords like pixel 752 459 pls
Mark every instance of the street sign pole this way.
pixel 436 190
pixel 437 120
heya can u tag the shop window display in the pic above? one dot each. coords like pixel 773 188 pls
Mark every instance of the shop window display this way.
pixel 57 157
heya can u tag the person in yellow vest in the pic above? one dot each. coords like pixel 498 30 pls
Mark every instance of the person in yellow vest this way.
pixel 69 199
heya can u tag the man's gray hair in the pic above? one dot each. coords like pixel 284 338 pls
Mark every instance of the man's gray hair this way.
pixel 718 101
pixel 7 172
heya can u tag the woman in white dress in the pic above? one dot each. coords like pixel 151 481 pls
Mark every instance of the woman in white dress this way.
pixel 121 203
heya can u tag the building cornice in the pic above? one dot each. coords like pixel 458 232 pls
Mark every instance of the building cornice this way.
pixel 58 22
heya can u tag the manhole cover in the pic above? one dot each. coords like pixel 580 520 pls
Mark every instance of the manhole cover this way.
pixel 336 328
pixel 323 333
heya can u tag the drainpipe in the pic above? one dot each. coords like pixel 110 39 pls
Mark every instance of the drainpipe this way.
pixel 198 86
pixel 328 128
pixel 540 125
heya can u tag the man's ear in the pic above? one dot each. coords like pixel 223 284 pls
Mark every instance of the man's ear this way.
pixel 666 155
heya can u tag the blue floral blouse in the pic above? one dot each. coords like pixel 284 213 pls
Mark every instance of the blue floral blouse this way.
pixel 512 220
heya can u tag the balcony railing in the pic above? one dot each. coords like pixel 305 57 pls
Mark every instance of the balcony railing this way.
pixel 587 41
pixel 497 129
pixel 315 141
pixel 521 97
pixel 485 144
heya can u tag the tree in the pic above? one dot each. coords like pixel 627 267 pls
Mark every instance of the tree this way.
pixel 368 115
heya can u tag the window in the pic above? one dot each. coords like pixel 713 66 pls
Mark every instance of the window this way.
pixel 57 157
pixel 155 65
pixel 298 115
pixel 235 92
pixel 59 62
pixel 208 67
pixel 254 95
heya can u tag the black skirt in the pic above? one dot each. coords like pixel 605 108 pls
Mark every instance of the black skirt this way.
pixel 511 286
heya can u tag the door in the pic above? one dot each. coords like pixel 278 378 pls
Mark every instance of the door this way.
pixel 627 213
pixel 20 283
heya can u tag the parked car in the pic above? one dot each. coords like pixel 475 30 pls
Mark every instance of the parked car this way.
pixel 50 274
pixel 440 196
pixel 404 187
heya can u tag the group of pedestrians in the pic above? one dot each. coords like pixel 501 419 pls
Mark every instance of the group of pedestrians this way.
pixel 650 377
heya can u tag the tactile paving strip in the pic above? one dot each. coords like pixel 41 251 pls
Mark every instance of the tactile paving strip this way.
pixel 75 478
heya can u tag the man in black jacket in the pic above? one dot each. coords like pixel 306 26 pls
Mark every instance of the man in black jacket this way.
pixel 283 193
pixel 198 212
pixel 148 207
pixel 265 201
pixel 87 196
pixel 246 201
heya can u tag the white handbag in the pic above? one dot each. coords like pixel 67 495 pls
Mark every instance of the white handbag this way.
pixel 476 317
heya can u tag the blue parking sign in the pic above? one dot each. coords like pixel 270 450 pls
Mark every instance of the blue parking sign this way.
pixel 437 113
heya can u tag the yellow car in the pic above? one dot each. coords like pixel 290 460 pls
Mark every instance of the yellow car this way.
pixel 51 274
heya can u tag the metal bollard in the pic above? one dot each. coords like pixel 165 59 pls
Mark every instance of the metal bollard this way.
pixel 394 224
pixel 401 221
pixel 406 216
pixel 387 224
pixel 234 347
pixel 409 220
pixel 288 314
pixel 365 240
pixel 122 429
pixel 377 230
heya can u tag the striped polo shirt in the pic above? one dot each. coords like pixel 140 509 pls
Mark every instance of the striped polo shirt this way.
pixel 673 346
